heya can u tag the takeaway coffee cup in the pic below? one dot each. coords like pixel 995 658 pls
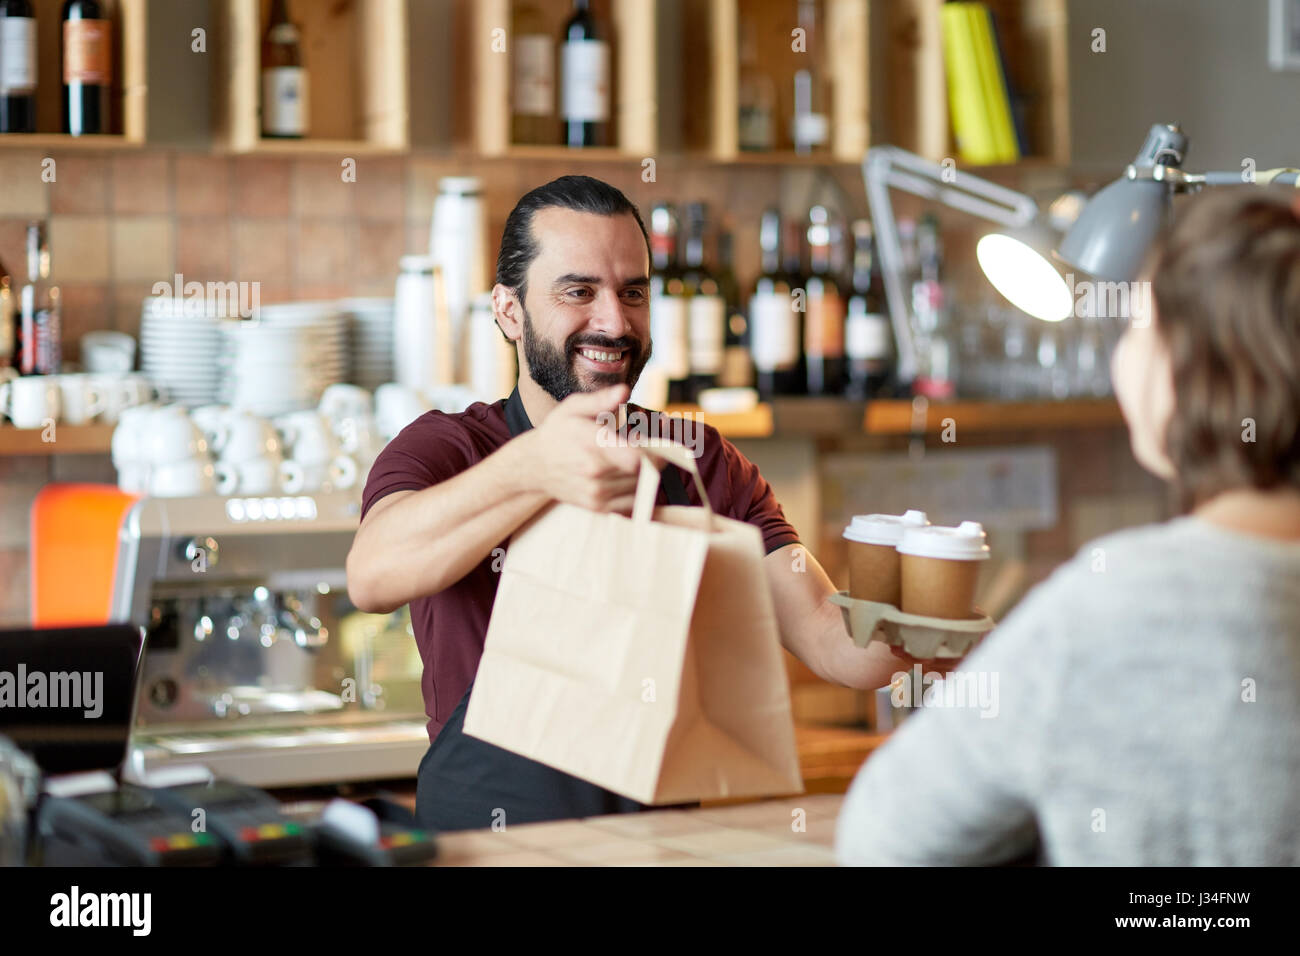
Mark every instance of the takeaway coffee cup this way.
pixel 874 573
pixel 940 567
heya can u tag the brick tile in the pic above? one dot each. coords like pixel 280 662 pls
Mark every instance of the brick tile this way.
pixel 142 184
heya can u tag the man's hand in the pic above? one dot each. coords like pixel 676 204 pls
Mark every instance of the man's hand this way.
pixel 572 459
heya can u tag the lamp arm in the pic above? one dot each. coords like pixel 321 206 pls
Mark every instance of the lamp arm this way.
pixel 886 167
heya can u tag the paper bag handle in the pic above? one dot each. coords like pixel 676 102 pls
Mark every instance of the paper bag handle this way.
pixel 647 486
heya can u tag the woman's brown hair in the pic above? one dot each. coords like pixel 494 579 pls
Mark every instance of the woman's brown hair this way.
pixel 1226 284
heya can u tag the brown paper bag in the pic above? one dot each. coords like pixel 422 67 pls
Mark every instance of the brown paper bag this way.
pixel 640 654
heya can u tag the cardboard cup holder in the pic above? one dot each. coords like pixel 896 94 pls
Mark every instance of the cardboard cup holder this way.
pixel 922 637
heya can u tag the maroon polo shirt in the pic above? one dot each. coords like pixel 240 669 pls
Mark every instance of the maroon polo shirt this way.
pixel 450 626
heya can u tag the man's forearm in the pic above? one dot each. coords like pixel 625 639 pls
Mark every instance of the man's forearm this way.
pixel 431 538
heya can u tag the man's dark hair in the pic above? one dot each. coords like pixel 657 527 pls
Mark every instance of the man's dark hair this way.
pixel 579 193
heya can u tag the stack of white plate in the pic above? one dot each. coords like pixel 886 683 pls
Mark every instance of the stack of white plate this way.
pixel 282 360
pixel 371 322
pixel 179 344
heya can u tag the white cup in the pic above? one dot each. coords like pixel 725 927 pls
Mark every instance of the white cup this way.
pixel 342 400
pixel 128 445
pixel 190 477
pixel 339 472
pixel 266 475
pixel 246 436
pixel 213 422
pixel 173 437
pixel 308 436
pixel 81 399
pixel 396 406
pixel 31 401
pixel 140 390
pixel 107 351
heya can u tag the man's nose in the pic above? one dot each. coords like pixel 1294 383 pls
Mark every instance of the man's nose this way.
pixel 610 317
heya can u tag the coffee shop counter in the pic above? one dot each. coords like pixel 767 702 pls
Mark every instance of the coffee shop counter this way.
pixel 788 831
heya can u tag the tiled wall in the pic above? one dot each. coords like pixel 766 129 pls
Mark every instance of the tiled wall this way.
pixel 121 221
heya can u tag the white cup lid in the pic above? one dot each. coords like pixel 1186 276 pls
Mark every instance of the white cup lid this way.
pixel 966 542
pixel 883 529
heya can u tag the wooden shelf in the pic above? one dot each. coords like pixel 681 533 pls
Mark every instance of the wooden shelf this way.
pixel 129 113
pixel 634 114
pixel 711 58
pixel 1033 37
pixel 755 423
pixel 896 417
pixel 356 55
pixel 68 440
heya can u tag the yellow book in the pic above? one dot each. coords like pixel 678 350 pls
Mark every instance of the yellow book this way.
pixel 993 85
pixel 970 118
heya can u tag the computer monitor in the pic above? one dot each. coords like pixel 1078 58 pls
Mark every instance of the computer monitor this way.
pixel 67 695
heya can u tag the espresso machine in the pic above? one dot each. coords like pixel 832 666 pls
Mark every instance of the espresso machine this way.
pixel 255 663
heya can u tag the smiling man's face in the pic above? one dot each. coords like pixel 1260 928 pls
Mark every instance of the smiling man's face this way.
pixel 587 310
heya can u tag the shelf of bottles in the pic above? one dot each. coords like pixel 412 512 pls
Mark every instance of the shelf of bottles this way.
pixel 552 78
pixel 72 74
pixel 777 80
pixel 301 76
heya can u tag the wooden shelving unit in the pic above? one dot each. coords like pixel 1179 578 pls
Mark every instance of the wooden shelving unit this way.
pixel 755 423
pixel 68 440
pixel 1034 41
pixel 711 64
pixel 634 112
pixel 130 84
pixel 356 52
pixel 795 417
pixel 901 417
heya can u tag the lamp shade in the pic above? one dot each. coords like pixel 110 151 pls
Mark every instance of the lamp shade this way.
pixel 1111 236
pixel 1017 265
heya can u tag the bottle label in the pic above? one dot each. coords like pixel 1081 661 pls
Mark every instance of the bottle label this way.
pixel 88 52
pixel 534 76
pixel 824 328
pixel 708 333
pixel 755 128
pixel 17 56
pixel 586 81
pixel 774 331
pixel 811 129
pixel 668 332
pixel 284 101
pixel 866 336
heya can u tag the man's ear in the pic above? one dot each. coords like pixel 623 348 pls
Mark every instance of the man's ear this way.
pixel 508 312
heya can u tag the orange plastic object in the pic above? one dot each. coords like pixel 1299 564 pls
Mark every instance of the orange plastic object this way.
pixel 74 552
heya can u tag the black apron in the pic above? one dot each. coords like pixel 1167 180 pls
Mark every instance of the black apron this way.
pixel 465 783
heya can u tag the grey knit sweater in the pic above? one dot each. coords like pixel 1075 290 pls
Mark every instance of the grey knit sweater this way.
pixel 1140 707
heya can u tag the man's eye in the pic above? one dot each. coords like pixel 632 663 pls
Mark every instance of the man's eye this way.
pixel 579 292
pixel 636 293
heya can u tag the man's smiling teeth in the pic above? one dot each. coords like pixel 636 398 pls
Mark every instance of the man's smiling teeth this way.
pixel 596 356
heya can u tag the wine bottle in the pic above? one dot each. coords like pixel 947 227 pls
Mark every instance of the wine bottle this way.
pixel 17 67
pixel 737 369
pixel 756 96
pixel 669 332
pixel 585 99
pixel 87 67
pixel 532 56
pixel 706 309
pixel 823 344
pixel 38 341
pixel 868 340
pixel 810 127
pixel 285 88
pixel 8 328
pixel 792 264
pixel 773 322
pixel 936 359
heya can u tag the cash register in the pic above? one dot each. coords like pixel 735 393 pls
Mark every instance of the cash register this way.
pixel 67 700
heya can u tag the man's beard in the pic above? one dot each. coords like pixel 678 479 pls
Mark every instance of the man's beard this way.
pixel 555 371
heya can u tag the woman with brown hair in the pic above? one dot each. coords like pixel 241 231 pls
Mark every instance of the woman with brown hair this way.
pixel 1149 691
